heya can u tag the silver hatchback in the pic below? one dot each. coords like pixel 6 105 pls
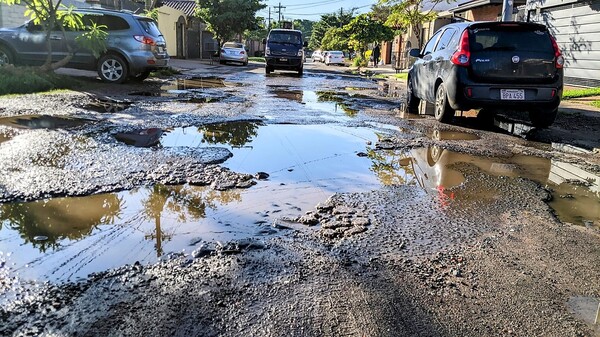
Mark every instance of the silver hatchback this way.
pixel 135 46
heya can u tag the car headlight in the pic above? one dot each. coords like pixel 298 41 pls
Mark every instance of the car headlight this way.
pixel 300 52
pixel 267 51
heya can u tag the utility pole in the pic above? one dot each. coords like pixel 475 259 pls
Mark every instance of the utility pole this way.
pixel 507 10
pixel 341 13
pixel 269 22
pixel 279 8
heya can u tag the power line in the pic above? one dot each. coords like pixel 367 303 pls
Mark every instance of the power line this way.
pixel 326 2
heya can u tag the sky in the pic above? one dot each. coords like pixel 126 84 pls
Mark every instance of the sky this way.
pixel 312 9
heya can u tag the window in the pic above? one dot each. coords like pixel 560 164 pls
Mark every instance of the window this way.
pixel 445 39
pixel 429 46
pixel 111 22
pixel 149 26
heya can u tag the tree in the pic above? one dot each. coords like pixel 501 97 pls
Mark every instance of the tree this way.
pixel 328 21
pixel 228 18
pixel 51 15
pixel 411 14
pixel 335 39
pixel 363 30
pixel 305 26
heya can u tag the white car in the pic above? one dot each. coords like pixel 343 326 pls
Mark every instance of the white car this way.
pixel 317 55
pixel 234 52
pixel 334 57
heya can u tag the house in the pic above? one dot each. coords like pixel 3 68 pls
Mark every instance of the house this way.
pixel 575 24
pixel 185 34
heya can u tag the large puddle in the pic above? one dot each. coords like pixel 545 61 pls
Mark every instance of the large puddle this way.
pixel 43 122
pixel 321 101
pixel 67 238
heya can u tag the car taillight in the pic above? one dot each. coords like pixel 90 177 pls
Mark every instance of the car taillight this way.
pixel 145 39
pixel 242 52
pixel 222 51
pixel 462 56
pixel 559 59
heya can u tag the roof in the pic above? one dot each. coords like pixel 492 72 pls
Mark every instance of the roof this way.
pixel 186 6
pixel 480 3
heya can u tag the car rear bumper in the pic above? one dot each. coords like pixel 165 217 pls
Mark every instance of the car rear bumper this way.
pixel 464 94
pixel 285 62
pixel 140 62
pixel 234 58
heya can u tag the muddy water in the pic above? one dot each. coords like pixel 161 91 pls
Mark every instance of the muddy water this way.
pixel 42 122
pixel 575 193
pixel 321 101
pixel 66 238
pixel 452 135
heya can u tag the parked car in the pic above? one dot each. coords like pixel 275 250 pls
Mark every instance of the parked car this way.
pixel 334 57
pixel 317 56
pixel 233 51
pixel 284 50
pixel 135 46
pixel 494 66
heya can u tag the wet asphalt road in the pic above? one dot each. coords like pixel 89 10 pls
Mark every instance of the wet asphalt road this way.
pixel 276 181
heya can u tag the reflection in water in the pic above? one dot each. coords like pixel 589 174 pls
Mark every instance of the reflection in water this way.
pixel 42 122
pixel 235 134
pixel 576 193
pixel 59 218
pixel 323 100
pixel 392 167
pixel 89 234
pixel 452 135
pixel 195 83
pixel 107 105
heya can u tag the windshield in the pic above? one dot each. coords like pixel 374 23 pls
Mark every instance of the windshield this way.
pixel 150 27
pixel 511 39
pixel 233 45
pixel 285 37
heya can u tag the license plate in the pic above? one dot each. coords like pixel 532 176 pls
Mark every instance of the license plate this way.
pixel 512 94
pixel 161 49
pixel 283 60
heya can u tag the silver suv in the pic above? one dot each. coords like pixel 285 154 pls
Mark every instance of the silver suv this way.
pixel 135 46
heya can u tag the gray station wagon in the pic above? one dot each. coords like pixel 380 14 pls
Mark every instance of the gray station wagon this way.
pixel 135 46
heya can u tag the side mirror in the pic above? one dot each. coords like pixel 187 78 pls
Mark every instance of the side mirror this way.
pixel 264 41
pixel 305 44
pixel 415 53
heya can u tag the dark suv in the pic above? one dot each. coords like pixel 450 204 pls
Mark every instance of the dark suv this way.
pixel 496 66
pixel 284 49
pixel 135 46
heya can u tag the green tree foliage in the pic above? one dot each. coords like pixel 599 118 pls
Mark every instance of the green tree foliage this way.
pixel 228 18
pixel 51 15
pixel 335 39
pixel 411 14
pixel 328 21
pixel 363 30
pixel 305 26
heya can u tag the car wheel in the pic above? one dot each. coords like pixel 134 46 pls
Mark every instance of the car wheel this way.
pixel 245 63
pixel 141 76
pixel 268 70
pixel 221 62
pixel 112 69
pixel 300 71
pixel 5 56
pixel 443 112
pixel 412 101
pixel 542 118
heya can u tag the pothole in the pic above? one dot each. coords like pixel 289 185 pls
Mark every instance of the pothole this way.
pixel 321 101
pixel 43 122
pixel 452 135
pixel 107 105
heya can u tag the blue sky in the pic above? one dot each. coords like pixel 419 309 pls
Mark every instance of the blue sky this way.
pixel 313 9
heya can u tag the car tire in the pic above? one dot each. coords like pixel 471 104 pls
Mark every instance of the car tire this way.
pixel 412 101
pixel 245 63
pixel 112 69
pixel 300 71
pixel 5 56
pixel 268 70
pixel 442 111
pixel 541 118
pixel 141 76
pixel 221 62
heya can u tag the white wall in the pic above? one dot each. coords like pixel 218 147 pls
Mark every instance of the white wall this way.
pixel 12 16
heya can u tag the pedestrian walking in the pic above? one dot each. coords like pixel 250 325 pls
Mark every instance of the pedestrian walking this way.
pixel 376 53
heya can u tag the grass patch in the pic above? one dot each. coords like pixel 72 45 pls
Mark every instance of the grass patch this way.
pixel 595 104
pixel 584 92
pixel 401 76
pixel 383 76
pixel 257 59
pixel 165 72
pixel 27 80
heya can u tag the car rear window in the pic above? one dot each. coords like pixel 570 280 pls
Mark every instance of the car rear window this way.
pixel 337 53
pixel 233 45
pixel 510 38
pixel 285 37
pixel 149 26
